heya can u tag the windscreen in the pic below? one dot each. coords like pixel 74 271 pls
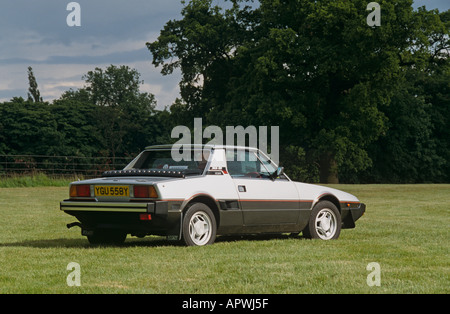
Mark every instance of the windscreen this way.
pixel 164 160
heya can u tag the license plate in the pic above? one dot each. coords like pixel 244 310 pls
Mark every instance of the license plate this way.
pixel 112 190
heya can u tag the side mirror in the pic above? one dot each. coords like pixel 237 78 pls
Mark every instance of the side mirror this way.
pixel 280 171
pixel 277 173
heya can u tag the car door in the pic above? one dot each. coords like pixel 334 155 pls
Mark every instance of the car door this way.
pixel 263 201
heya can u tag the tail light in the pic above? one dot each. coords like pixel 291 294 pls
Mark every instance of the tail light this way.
pixel 145 217
pixel 145 191
pixel 80 190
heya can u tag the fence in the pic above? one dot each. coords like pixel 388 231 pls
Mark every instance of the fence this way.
pixel 59 166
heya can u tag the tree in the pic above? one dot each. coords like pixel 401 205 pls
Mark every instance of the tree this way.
pixel 33 92
pixel 416 146
pixel 203 45
pixel 28 127
pixel 76 121
pixel 110 116
pixel 314 67
pixel 124 115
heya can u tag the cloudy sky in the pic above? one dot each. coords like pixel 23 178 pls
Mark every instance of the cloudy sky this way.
pixel 35 33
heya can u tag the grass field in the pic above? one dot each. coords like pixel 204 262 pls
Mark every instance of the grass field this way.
pixel 405 230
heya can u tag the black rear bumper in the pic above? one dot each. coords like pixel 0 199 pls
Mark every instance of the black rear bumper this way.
pixel 125 217
pixel 129 223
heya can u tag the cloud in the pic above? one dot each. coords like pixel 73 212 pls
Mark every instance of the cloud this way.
pixel 84 57
pixel 104 21
pixel 442 5
pixel 35 33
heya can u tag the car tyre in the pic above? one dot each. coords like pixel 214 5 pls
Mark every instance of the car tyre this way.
pixel 324 222
pixel 199 225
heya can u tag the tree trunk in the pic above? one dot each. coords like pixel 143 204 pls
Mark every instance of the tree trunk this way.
pixel 328 169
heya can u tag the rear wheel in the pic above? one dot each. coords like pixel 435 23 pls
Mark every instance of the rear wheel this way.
pixel 199 225
pixel 324 222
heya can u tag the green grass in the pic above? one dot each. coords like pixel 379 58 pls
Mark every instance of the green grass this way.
pixel 405 230
pixel 36 180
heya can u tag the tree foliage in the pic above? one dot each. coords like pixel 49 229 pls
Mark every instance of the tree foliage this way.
pixel 34 95
pixel 334 84
pixel 109 116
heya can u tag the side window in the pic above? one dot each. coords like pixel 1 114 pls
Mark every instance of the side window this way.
pixel 244 163
pixel 269 167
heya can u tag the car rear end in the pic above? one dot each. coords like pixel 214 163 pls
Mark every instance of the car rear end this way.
pixel 118 206
pixel 130 201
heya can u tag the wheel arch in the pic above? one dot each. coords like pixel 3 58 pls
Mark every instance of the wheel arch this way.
pixel 328 197
pixel 206 199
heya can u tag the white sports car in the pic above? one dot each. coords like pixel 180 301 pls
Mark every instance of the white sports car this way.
pixel 204 191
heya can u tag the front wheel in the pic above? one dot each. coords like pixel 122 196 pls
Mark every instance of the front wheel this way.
pixel 324 222
pixel 199 225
